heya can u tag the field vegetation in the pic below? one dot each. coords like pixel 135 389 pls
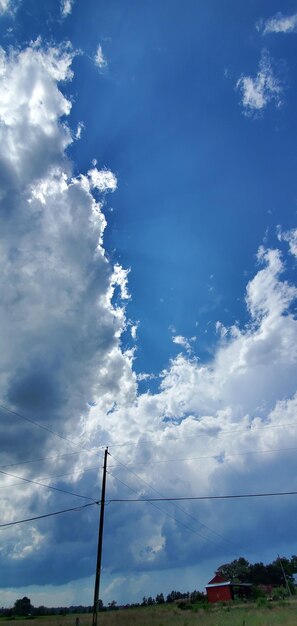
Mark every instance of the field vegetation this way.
pixel 278 613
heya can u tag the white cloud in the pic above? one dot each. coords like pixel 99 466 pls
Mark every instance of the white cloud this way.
pixel 120 279
pixel 184 342
pixel 279 23
pixel 266 294
pixel 22 549
pixel 134 329
pixel 4 4
pixel 8 6
pixel 60 331
pixel 291 237
pixel 99 58
pixel 221 329
pixel 266 87
pixel 79 129
pixel 66 7
pixel 222 427
pixel 146 376
pixel 232 419
pixel 104 180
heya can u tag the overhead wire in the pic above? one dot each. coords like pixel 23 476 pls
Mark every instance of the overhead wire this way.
pixel 166 513
pixel 51 477
pixel 188 498
pixel 177 506
pixel 31 519
pixel 46 428
pixel 139 478
pixel 150 500
pixel 42 458
pixel 35 482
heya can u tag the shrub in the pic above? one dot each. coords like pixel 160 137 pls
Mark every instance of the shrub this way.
pixel 262 602
pixel 184 605
pixel 279 593
pixel 258 592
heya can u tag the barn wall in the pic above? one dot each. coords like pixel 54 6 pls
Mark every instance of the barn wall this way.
pixel 219 594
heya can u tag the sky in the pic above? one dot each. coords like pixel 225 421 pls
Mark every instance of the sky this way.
pixel 148 246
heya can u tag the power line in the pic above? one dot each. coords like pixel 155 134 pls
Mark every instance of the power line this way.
pixel 82 471
pixel 46 428
pixel 226 497
pixel 51 476
pixel 147 463
pixel 35 482
pixel 88 469
pixel 168 514
pixel 31 519
pixel 43 458
pixel 177 506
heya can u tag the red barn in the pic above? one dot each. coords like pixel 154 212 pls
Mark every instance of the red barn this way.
pixel 219 589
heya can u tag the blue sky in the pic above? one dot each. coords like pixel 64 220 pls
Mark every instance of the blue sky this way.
pixel 148 251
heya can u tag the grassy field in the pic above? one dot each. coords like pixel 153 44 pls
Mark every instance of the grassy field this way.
pixel 274 614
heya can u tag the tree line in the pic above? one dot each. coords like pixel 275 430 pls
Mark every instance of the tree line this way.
pixel 23 607
pixel 278 573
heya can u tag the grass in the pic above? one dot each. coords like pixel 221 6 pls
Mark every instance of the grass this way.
pixel 274 614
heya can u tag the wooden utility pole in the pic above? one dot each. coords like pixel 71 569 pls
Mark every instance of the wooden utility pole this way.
pixel 284 575
pixel 100 539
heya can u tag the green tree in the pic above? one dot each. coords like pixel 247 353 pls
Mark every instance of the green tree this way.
pixel 160 598
pixel 112 605
pixel 293 564
pixel 197 596
pixel 23 607
pixel 237 570
pixel 258 574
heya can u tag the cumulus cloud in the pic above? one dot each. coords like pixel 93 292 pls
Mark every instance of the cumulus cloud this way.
pixel 60 331
pixel 279 23
pixel 291 237
pixel 79 129
pixel 265 88
pixel 211 428
pixel 221 427
pixel 134 328
pixel 104 180
pixel 7 6
pixel 66 7
pixel 99 58
pixel 184 342
pixel 146 376
pixel 4 5
pixel 221 329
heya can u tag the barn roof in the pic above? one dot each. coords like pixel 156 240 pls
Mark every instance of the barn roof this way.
pixel 224 584
pixel 218 579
